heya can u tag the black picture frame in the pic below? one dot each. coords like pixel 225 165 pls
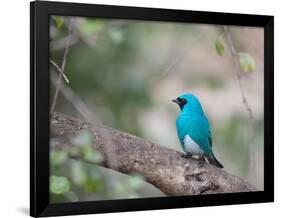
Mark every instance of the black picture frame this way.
pixel 39 107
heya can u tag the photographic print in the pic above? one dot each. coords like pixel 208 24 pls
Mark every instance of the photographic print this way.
pixel 145 109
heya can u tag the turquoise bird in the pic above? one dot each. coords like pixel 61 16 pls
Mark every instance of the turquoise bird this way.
pixel 193 129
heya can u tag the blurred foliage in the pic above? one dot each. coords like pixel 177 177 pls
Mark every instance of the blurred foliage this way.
pixel 121 70
pixel 58 21
pixel 59 185
pixel 236 140
pixel 88 27
pixel 247 63
pixel 77 178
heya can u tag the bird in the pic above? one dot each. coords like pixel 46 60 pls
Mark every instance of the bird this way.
pixel 193 129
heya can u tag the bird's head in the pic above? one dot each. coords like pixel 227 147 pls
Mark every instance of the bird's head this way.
pixel 188 102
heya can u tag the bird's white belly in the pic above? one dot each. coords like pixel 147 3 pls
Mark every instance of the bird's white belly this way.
pixel 191 146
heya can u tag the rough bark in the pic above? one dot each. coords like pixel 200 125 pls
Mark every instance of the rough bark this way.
pixel 166 169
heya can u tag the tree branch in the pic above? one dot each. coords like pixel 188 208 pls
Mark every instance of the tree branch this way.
pixel 164 168
pixel 58 86
pixel 235 55
pixel 59 70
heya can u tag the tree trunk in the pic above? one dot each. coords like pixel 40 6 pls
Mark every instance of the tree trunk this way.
pixel 166 169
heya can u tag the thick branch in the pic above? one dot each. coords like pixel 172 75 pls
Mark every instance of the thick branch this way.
pixel 164 168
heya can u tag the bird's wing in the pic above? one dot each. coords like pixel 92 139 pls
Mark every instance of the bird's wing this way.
pixel 199 131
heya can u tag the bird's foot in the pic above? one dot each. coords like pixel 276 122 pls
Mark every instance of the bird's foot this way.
pixel 201 162
pixel 187 155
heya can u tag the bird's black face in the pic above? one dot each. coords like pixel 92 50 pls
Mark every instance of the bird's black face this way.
pixel 180 101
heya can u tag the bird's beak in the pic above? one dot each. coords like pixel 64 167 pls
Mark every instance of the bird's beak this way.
pixel 176 101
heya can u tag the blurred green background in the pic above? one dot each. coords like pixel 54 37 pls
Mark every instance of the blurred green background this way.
pixel 127 72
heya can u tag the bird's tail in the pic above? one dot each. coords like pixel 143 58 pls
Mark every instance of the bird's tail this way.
pixel 212 159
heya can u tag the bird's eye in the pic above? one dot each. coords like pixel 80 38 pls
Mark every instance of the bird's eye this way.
pixel 183 101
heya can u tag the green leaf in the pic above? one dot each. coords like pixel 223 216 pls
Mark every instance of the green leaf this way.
pixel 58 157
pixel 59 184
pixel 91 155
pixel 92 185
pixel 219 46
pixel 247 62
pixel 59 21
